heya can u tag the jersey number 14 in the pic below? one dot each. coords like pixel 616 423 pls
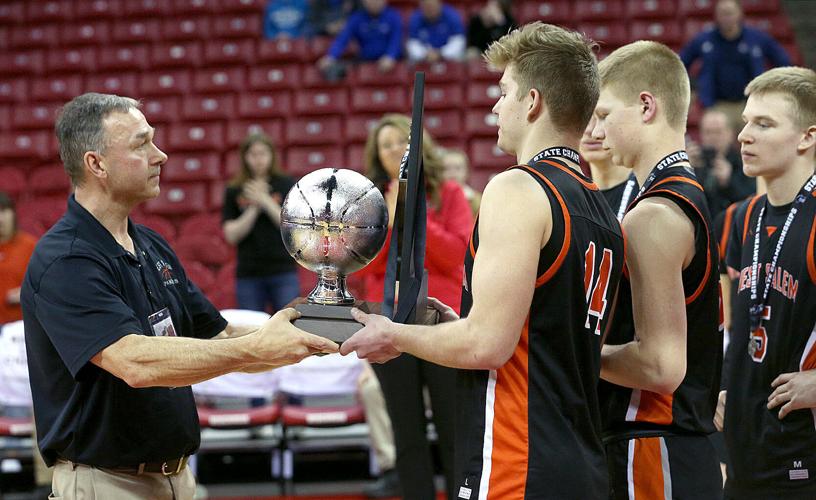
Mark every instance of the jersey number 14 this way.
pixel 596 284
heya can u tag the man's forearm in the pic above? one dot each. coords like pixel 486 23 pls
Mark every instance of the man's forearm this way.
pixel 447 344
pixel 628 365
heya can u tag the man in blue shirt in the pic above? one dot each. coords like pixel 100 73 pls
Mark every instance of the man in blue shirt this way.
pixel 116 332
pixel 435 31
pixel 377 29
pixel 732 55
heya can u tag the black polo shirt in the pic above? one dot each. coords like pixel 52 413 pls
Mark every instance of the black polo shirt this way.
pixel 82 292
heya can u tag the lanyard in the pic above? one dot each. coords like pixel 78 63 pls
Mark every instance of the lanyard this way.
pixel 668 161
pixel 626 196
pixel 758 306
pixel 561 152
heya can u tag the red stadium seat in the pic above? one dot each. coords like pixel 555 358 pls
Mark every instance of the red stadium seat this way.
pixel 13 89
pixel 27 63
pixel 359 126
pixel 96 9
pixel 89 33
pixel 27 37
pixel 695 113
pixel 651 9
pixel 155 9
pixel 41 212
pixel 302 160
pixel 49 181
pixel 443 123
pixel 40 12
pixel 281 51
pixel 209 80
pixel 80 60
pixel 238 26
pixel 443 71
pixel 35 116
pixel 251 6
pixel 378 100
pixel 321 101
pixel 176 199
pixel 693 27
pixel 5 38
pixel 5 117
pixel 483 94
pixel 208 249
pixel 196 272
pixel 208 224
pixel 184 167
pixel 484 153
pixel 188 7
pixel 13 13
pixel 238 418
pixel 216 107
pixel 312 77
pixel 217 194
pixel 168 55
pixel 23 144
pixel 281 77
pixel 319 47
pixel 56 88
pixel 186 28
pixel 12 181
pixel 612 34
pixel 794 53
pixel 668 32
pixel 696 8
pixel 480 122
pixel 123 57
pixel 777 26
pixel 479 70
pixel 264 105
pixel 444 96
pixel 162 109
pixel 354 157
pixel 239 129
pixel 599 10
pixel 171 82
pixel 196 137
pixel 479 179
pixel 553 12
pixel 308 131
pixel 138 31
pixel 751 7
pixel 159 224
pixel 121 84
pixel 229 52
pixel 369 74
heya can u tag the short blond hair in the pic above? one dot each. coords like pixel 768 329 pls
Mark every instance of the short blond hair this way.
pixel 560 64
pixel 652 67
pixel 797 85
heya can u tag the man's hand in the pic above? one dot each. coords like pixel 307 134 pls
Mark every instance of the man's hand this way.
pixel 325 62
pixel 795 391
pixel 280 343
pixel 375 342
pixel 719 414
pixel 386 63
pixel 446 312
pixel 722 170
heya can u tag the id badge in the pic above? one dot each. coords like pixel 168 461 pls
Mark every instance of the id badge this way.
pixel 162 323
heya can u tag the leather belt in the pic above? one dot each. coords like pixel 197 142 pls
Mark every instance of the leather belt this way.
pixel 169 468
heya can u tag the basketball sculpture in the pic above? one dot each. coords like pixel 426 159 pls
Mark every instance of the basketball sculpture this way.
pixel 333 222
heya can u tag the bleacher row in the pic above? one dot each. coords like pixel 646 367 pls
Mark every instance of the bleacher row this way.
pixel 207 77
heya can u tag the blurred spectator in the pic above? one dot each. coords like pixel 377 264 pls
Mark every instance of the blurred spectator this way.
pixel 285 18
pixel 492 22
pixel 435 32
pixel 381 434
pixel 457 169
pixel 718 163
pixel 377 29
pixel 16 248
pixel 327 17
pixel 266 274
pixel 403 380
pixel 617 183
pixel 732 55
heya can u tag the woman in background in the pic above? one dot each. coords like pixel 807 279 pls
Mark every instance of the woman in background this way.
pixel 266 275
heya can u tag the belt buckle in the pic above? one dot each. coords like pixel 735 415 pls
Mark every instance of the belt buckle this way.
pixel 182 461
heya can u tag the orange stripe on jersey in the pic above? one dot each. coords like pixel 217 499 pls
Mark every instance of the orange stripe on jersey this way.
pixel 677 178
pixel 748 217
pixel 510 455
pixel 647 470
pixel 729 214
pixel 810 264
pixel 810 360
pixel 701 286
pixel 589 185
pixel 472 248
pixel 655 408
pixel 562 254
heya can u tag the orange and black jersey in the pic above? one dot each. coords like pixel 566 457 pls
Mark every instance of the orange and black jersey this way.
pixel 723 225
pixel 531 429
pixel 690 409
pixel 771 458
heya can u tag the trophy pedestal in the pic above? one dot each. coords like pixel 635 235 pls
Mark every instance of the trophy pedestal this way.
pixel 332 322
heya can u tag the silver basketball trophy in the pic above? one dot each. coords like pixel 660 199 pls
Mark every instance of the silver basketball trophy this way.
pixel 333 223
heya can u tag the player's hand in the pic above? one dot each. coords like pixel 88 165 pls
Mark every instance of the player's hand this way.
pixel 278 342
pixel 325 62
pixel 719 414
pixel 794 391
pixel 446 312
pixel 375 341
pixel 386 63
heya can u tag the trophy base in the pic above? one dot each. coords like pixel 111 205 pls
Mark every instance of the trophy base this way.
pixel 332 322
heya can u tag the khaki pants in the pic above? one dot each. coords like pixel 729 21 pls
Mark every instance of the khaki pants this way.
pixel 81 482
pixel 379 424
